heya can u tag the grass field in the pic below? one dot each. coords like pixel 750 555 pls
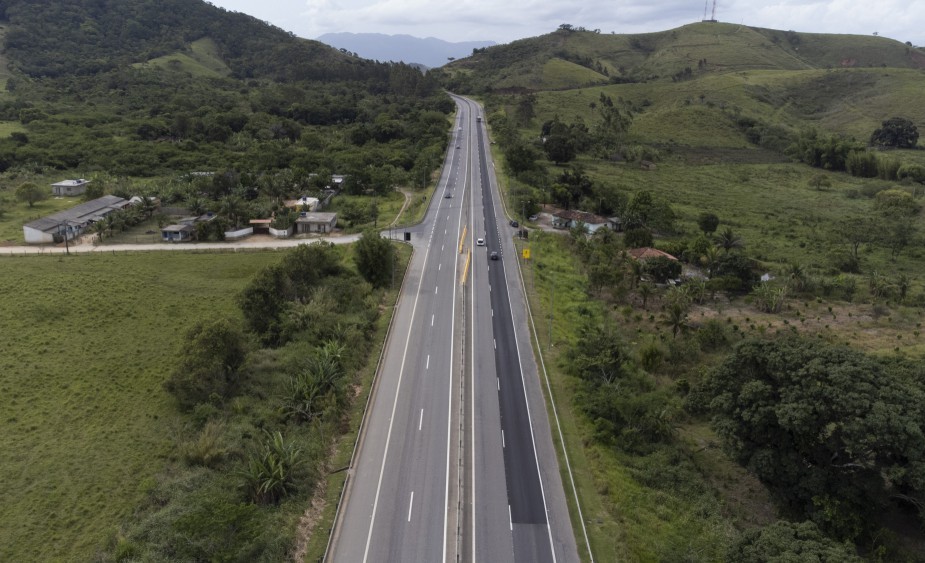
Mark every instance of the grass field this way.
pixel 87 342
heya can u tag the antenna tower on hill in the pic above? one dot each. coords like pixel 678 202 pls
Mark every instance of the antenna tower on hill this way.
pixel 706 5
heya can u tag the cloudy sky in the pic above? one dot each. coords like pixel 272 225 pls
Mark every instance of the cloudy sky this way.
pixel 505 21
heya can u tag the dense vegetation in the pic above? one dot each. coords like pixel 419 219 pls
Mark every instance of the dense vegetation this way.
pixel 260 418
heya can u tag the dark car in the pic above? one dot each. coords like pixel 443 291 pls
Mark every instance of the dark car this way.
pixel 448 195
pixel 515 224
pixel 494 255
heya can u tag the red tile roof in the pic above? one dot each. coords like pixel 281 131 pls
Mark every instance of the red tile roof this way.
pixel 646 253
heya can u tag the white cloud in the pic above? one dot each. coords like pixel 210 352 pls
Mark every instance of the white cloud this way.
pixel 506 21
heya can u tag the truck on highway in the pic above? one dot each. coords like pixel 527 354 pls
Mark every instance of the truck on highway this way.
pixel 478 118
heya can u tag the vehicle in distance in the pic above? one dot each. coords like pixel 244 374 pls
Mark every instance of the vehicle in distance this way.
pixel 515 224
pixel 532 218
pixel 448 195
pixel 479 118
pixel 457 146
pixel 480 242
pixel 494 255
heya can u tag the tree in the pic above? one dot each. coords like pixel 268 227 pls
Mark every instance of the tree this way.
pixel 662 268
pixel 30 193
pixel 834 434
pixel 374 257
pixel 896 132
pixel 210 358
pixel 559 148
pixel 785 542
pixel 728 240
pixel 708 222
pixel 637 237
pixel 676 317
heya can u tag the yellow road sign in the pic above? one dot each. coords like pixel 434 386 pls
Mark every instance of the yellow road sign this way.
pixel 526 254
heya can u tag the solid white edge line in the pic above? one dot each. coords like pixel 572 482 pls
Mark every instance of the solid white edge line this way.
pixel 510 519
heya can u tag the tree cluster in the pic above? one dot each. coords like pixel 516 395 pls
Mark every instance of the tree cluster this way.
pixel 834 434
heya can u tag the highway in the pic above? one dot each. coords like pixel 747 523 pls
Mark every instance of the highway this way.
pixel 452 464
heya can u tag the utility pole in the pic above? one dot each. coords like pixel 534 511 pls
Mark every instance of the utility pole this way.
pixel 67 247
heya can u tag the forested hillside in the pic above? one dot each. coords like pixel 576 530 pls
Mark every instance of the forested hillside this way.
pixel 138 88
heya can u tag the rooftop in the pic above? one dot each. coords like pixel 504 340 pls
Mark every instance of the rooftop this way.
pixel 646 253
pixel 79 214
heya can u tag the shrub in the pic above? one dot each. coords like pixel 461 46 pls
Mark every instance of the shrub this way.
pixel 207 449
pixel 651 355
pixel 270 473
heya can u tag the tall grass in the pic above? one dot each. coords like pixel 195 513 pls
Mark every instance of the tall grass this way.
pixel 87 342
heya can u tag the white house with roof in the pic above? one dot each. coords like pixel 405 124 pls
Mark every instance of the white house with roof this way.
pixel 69 187
pixel 71 222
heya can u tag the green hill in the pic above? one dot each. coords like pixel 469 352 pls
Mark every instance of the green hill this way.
pixel 701 47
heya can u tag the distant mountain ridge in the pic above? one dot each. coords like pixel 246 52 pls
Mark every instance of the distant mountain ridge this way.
pixel 430 52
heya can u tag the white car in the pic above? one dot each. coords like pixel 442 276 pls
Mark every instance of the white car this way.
pixel 480 242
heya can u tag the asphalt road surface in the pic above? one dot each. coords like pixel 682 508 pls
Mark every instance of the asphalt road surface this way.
pixel 455 460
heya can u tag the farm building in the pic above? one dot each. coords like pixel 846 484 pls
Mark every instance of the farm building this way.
pixel 70 187
pixel 72 222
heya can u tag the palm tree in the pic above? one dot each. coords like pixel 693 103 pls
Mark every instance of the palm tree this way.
pixel 99 229
pixel 676 318
pixel 645 291
pixel 728 240
pixel 709 259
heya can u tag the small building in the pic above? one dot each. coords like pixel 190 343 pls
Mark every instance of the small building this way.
pixel 70 187
pixel 178 233
pixel 315 222
pixel 570 219
pixel 72 222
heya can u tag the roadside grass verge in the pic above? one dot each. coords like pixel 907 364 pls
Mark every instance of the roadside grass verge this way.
pixel 88 341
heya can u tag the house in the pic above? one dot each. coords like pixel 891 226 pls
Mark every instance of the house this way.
pixel 315 222
pixel 647 253
pixel 178 233
pixel 570 219
pixel 71 222
pixel 70 187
